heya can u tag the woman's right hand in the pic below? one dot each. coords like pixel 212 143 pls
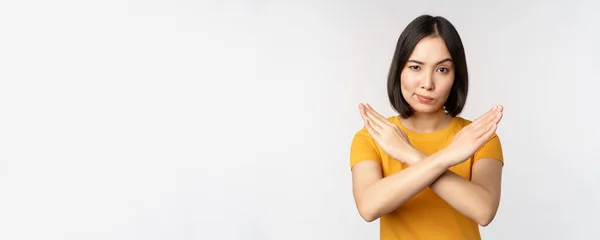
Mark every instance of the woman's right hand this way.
pixel 389 136
pixel 469 139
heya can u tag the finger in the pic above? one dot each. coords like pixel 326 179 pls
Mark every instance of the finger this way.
pixel 378 118
pixel 374 123
pixel 368 117
pixel 370 129
pixel 363 114
pixel 483 128
pixel 488 118
pixel 500 118
pixel 378 115
pixel 493 118
pixel 374 120
pixel 500 108
pixel 485 115
pixel 489 133
pixel 495 109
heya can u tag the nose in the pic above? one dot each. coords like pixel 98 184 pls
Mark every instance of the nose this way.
pixel 427 83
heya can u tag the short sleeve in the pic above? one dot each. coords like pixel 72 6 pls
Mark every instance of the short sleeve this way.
pixel 363 148
pixel 491 149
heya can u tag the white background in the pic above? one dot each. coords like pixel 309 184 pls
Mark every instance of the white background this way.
pixel 233 119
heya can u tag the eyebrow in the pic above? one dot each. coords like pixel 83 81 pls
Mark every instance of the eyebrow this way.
pixel 418 62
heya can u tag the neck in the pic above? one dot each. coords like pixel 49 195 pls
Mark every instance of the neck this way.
pixel 427 122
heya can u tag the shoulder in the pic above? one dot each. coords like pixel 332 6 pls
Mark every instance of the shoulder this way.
pixel 362 137
pixel 362 133
pixel 363 147
pixel 492 148
pixel 361 140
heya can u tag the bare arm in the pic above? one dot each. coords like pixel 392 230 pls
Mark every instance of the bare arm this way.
pixel 477 199
pixel 376 196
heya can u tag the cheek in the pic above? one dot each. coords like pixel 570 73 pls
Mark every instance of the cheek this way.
pixel 408 83
pixel 446 87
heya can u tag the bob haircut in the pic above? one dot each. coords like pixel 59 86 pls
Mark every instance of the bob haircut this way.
pixel 420 27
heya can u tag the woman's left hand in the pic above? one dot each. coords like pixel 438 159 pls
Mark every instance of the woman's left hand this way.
pixel 388 135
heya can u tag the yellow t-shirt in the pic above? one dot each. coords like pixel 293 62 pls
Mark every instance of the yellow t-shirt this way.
pixel 425 216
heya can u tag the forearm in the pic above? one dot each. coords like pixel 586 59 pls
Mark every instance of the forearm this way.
pixel 387 194
pixel 468 198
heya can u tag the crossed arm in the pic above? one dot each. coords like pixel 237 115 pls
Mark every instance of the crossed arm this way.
pixel 477 199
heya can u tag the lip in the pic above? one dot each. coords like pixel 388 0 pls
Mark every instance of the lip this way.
pixel 424 99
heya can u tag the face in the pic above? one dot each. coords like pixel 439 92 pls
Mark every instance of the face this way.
pixel 427 77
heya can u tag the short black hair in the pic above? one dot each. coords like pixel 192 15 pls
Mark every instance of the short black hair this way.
pixel 420 27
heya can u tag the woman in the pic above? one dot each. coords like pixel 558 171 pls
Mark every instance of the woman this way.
pixel 427 173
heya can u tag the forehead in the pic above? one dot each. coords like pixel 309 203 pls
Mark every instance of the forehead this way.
pixel 430 50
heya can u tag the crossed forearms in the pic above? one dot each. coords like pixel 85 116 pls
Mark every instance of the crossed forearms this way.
pixel 468 198
pixel 385 195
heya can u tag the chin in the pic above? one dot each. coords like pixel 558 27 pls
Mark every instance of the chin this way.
pixel 420 108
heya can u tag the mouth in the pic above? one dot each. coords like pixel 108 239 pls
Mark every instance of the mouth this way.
pixel 424 99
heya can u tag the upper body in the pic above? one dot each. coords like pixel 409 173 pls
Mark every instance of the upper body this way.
pixel 427 173
pixel 426 215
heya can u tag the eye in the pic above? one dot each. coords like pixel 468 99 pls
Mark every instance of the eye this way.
pixel 443 70
pixel 414 67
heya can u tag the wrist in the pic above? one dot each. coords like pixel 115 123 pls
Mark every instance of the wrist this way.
pixel 400 154
pixel 412 156
pixel 416 156
pixel 436 162
pixel 442 158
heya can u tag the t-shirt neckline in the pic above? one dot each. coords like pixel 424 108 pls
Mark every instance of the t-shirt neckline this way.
pixel 437 134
